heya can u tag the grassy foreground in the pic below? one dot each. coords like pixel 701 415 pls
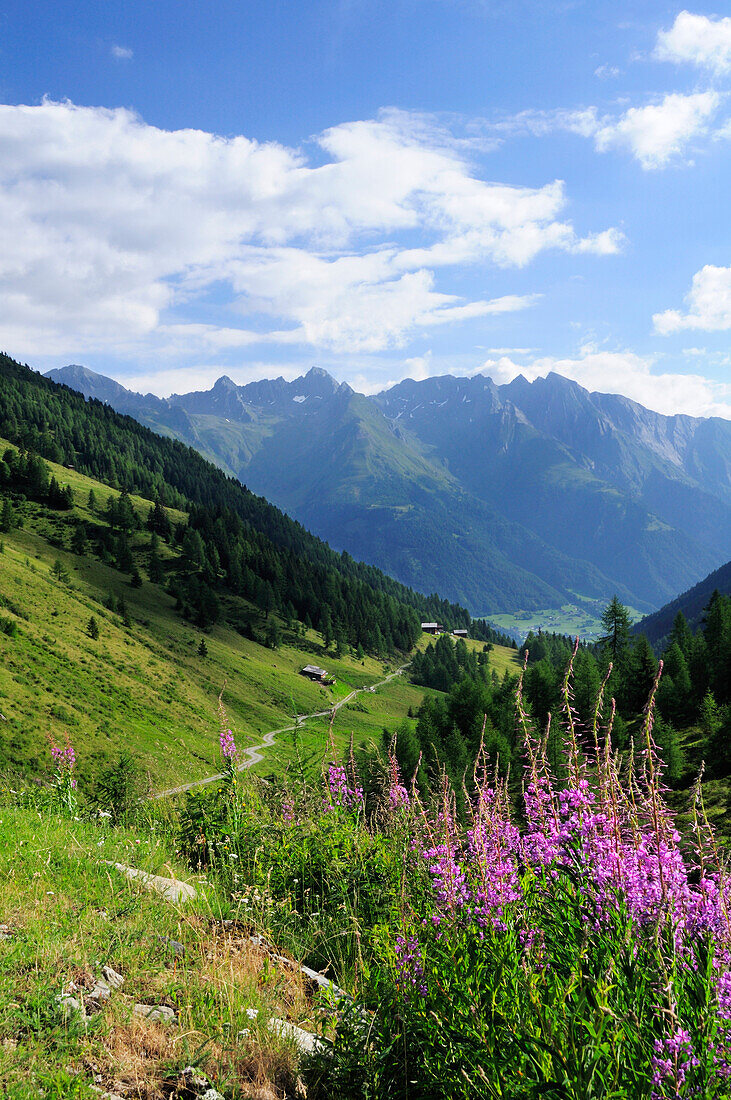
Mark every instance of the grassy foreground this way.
pixel 65 914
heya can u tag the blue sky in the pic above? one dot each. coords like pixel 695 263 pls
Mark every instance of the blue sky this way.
pixel 386 189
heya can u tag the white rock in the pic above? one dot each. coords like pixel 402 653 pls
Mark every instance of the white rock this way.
pixel 154 1012
pixel 305 1040
pixel 70 1006
pixel 102 991
pixel 170 888
pixel 212 1094
pixel 114 979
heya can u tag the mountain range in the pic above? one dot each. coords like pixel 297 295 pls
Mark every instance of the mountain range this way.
pixel 526 495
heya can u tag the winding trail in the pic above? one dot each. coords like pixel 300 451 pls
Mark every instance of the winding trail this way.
pixel 254 754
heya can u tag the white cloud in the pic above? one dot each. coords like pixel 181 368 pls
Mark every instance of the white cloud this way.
pixel 122 53
pixel 709 304
pixel 607 72
pixel 626 373
pixel 660 132
pixel 655 134
pixel 697 40
pixel 187 379
pixel 111 228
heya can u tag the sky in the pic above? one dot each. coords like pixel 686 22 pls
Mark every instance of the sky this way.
pixel 384 188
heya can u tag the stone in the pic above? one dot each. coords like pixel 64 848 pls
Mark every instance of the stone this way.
pixel 172 889
pixel 305 1041
pixel 153 1013
pixel 177 949
pixel 114 979
pixel 315 976
pixel 70 1006
pixel 194 1079
pixel 102 991
pixel 212 1094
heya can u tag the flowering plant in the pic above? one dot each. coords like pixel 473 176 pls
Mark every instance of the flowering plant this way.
pixel 64 759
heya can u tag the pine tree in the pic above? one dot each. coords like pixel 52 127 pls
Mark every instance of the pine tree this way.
pixel 92 628
pixel 203 648
pixel 641 668
pixel 681 634
pixel 273 634
pixel 79 539
pixel 616 621
pixel 7 517
pixel 158 520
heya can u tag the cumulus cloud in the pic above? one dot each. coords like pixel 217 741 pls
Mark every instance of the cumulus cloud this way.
pixel 697 40
pixel 122 53
pixel 626 373
pixel 655 134
pixel 709 304
pixel 112 228
pixel 659 132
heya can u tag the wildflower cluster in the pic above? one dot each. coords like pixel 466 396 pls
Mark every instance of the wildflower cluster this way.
pixel 605 837
pixel 342 791
pixel 229 752
pixel 64 759
pixel 398 796
pixel 410 964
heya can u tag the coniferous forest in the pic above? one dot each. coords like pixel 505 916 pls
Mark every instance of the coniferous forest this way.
pixel 233 541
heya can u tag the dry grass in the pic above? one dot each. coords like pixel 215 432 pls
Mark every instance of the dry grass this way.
pixel 68 916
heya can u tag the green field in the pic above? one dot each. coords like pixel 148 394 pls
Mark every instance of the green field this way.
pixel 582 619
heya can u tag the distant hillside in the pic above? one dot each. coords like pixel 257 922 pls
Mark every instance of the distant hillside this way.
pixel 658 625
pixel 501 497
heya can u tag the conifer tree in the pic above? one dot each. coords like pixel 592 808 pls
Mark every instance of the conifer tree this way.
pixel 616 621
pixel 7 517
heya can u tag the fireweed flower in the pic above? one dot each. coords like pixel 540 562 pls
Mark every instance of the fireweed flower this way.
pixel 398 796
pixel 341 792
pixel 230 754
pixel 228 745
pixel 608 826
pixel 410 965
pixel 64 758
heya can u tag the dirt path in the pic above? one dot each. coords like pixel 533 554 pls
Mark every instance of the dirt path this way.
pixel 254 755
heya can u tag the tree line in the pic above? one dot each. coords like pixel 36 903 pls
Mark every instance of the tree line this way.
pixel 476 706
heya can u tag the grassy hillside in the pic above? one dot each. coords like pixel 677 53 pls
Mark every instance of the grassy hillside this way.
pixel 144 685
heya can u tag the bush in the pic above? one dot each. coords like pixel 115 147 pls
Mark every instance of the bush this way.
pixel 8 626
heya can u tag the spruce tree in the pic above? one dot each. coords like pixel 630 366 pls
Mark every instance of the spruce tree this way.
pixel 7 517
pixel 616 621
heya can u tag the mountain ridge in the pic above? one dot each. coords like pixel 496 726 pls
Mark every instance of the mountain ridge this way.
pixel 470 488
